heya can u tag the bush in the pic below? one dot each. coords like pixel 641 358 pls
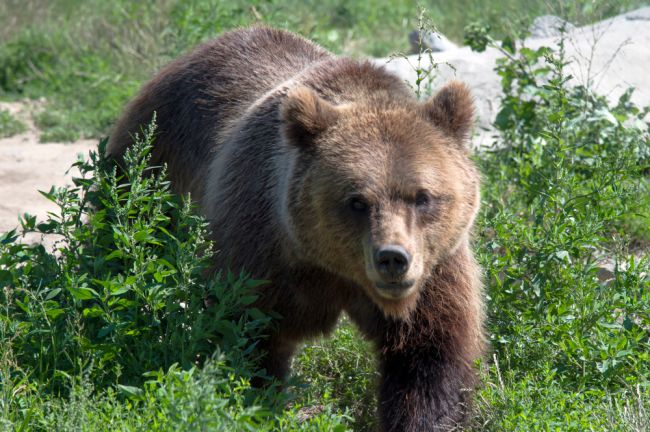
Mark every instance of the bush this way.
pixel 117 311
pixel 10 126
pixel 563 193
pixel 122 293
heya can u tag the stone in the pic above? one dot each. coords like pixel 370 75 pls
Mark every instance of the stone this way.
pixel 431 40
pixel 548 26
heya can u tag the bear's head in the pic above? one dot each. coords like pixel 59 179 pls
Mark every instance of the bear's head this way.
pixel 380 194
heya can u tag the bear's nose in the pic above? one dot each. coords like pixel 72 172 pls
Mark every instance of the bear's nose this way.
pixel 392 262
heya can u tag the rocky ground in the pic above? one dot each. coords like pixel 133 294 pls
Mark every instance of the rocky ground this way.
pixel 610 55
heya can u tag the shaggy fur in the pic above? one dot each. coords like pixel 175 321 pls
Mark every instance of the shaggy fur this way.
pixel 306 165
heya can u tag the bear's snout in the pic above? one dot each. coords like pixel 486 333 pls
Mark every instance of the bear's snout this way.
pixel 392 262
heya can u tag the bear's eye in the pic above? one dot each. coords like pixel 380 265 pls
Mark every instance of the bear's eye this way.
pixel 423 199
pixel 358 204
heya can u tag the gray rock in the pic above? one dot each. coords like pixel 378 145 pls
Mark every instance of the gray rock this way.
pixel 548 26
pixel 431 40
pixel 606 271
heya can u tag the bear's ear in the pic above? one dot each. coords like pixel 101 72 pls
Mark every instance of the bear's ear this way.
pixel 305 115
pixel 452 110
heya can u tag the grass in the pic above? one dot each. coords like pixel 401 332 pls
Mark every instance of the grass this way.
pixel 339 370
pixel 9 125
pixel 108 331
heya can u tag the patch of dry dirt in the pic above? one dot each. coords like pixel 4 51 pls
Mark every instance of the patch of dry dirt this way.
pixel 27 166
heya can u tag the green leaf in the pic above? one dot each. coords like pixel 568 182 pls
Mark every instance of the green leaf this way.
pixel 53 313
pixel 52 293
pixel 83 293
pixel 28 222
pixel 508 44
pixel 115 254
pixel 141 235
pixel 503 120
pixel 124 289
pixel 105 331
pixel 248 300
pixel 93 312
pixel 130 391
pixel 51 195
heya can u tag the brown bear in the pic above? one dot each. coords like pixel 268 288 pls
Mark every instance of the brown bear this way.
pixel 327 177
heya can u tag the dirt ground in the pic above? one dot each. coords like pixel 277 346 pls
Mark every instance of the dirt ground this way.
pixel 27 166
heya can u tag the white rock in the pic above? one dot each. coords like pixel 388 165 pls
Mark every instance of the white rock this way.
pixel 548 26
pixel 431 40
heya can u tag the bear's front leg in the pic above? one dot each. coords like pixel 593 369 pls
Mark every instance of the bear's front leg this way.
pixel 305 311
pixel 278 353
pixel 424 388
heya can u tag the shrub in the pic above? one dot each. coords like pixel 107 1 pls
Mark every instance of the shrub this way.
pixel 563 193
pixel 9 125
pixel 110 329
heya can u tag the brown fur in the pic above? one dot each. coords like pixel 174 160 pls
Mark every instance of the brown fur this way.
pixel 275 137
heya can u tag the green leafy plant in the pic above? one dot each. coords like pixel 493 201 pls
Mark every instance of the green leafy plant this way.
pixel 123 289
pixel 423 65
pixel 110 327
pixel 562 185
pixel 9 125
pixel 340 370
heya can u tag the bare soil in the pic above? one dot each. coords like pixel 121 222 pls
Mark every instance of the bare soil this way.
pixel 27 166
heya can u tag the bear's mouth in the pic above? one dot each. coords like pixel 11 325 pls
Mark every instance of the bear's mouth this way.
pixel 395 290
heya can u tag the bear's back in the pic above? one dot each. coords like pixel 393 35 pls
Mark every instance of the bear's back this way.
pixel 198 96
pixel 242 65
